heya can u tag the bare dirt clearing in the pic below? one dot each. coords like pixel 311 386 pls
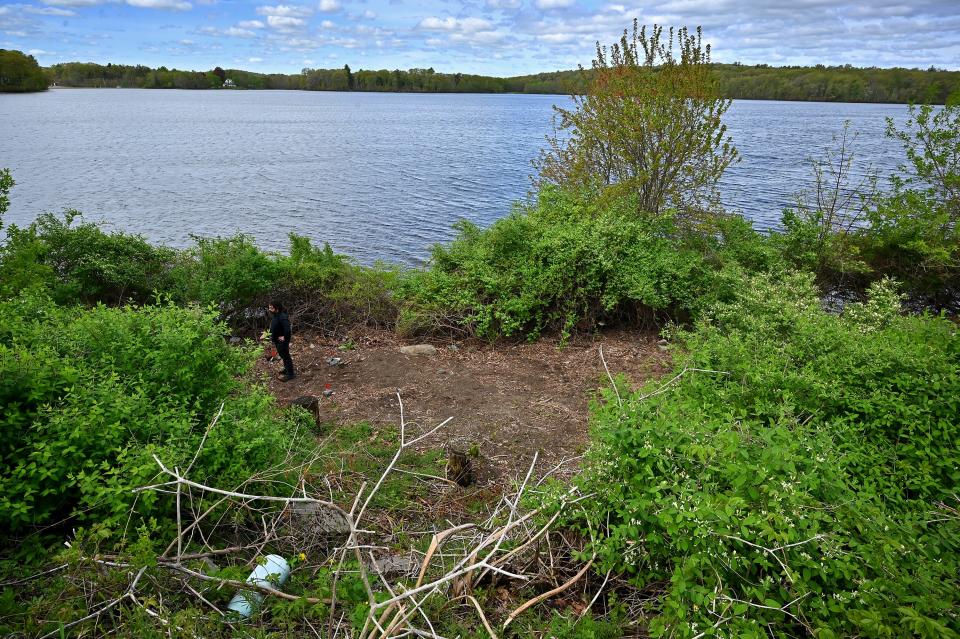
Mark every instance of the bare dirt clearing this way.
pixel 511 400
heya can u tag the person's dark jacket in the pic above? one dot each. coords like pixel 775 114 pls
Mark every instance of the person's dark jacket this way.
pixel 280 326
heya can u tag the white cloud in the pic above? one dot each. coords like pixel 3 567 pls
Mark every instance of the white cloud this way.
pixel 285 23
pixel 369 15
pixel 231 32
pixel 558 38
pixel 327 24
pixel 503 4
pixel 329 6
pixel 554 4
pixel 465 25
pixel 49 11
pixel 250 24
pixel 37 52
pixel 171 5
pixel 255 60
pixel 478 37
pixel 73 3
pixel 285 10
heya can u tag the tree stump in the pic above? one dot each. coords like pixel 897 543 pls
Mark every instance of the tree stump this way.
pixel 309 402
pixel 459 467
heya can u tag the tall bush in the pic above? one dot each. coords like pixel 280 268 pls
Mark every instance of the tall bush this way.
pixel 649 125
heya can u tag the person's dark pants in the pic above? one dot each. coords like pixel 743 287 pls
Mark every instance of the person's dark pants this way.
pixel 283 350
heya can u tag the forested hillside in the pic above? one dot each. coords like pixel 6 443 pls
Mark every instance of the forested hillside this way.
pixel 736 81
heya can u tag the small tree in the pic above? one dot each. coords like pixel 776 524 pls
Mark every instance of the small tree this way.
pixel 931 139
pixel 648 124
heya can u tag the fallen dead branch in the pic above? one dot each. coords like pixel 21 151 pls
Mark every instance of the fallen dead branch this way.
pixel 505 546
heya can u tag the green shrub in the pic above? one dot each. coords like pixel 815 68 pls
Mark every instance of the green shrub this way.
pixel 6 183
pixel 852 234
pixel 81 262
pixel 568 264
pixel 230 273
pixel 786 481
pixel 88 396
pixel 328 291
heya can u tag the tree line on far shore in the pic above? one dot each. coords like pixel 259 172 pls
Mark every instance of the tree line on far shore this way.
pixel 735 81
pixel 20 73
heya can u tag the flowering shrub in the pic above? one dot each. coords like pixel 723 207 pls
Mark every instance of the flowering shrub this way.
pixel 786 480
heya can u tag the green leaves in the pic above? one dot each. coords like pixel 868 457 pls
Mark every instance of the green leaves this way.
pixel 88 396
pixel 794 491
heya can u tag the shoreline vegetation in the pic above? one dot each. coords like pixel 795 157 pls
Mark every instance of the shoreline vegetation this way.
pixel 795 473
pixel 735 81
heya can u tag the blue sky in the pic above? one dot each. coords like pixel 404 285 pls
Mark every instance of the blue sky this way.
pixel 495 37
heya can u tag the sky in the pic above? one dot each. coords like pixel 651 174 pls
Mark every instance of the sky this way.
pixel 490 37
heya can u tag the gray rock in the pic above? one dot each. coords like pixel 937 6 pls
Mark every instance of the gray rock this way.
pixel 235 341
pixel 395 565
pixel 453 347
pixel 419 349
pixel 316 523
pixel 334 361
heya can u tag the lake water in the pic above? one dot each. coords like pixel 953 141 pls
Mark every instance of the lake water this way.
pixel 379 176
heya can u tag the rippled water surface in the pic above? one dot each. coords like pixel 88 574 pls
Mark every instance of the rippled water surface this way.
pixel 379 176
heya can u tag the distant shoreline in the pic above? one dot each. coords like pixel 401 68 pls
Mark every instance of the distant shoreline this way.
pixel 510 93
pixel 734 81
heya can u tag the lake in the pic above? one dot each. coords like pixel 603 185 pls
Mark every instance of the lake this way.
pixel 379 176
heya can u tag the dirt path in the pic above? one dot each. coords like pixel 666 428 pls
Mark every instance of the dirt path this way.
pixel 510 399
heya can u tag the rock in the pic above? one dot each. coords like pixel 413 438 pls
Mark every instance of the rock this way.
pixel 334 361
pixel 235 341
pixel 419 349
pixel 316 523
pixel 310 402
pixel 453 347
pixel 395 566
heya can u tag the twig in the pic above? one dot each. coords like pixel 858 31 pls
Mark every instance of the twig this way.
pixel 129 594
pixel 584 612
pixel 17 582
pixel 610 377
pixel 243 585
pixel 549 593
pixel 483 617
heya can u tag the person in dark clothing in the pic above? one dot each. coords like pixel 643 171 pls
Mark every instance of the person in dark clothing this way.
pixel 280 336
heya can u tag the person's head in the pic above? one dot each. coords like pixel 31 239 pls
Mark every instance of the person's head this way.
pixel 275 307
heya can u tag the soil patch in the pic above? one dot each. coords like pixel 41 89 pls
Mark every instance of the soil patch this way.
pixel 510 400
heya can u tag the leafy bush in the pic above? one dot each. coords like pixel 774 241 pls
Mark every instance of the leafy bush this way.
pixel 329 291
pixel 88 396
pixel 81 262
pixel 230 273
pixel 6 183
pixel 786 480
pixel 853 234
pixel 567 263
